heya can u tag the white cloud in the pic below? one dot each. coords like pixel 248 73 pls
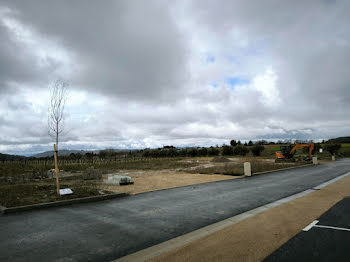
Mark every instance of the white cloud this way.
pixel 140 77
pixel 266 84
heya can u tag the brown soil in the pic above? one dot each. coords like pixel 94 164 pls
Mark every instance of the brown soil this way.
pixel 220 159
pixel 145 181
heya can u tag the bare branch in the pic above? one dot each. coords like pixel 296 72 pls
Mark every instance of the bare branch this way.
pixel 57 102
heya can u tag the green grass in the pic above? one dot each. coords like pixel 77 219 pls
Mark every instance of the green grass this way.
pixel 273 148
pixel 344 151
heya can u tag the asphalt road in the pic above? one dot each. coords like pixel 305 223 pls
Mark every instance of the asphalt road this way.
pixel 103 231
pixel 319 243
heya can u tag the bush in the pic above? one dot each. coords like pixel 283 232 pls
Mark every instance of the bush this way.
pixel 203 151
pixel 193 152
pixel 227 150
pixel 240 150
pixel 332 148
pixel 212 151
pixel 257 149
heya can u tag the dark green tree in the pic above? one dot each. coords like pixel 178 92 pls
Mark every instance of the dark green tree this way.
pixel 213 151
pixel 240 150
pixel 257 149
pixel 227 150
pixel 233 143
pixel 193 152
pixel 332 148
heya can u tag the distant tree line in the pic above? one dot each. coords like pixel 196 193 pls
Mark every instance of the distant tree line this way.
pixel 236 148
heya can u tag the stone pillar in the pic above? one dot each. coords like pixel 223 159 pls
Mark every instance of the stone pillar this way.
pixel 314 160
pixel 333 158
pixel 247 169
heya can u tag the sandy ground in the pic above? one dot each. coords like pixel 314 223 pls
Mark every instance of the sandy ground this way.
pixel 145 181
pixel 255 238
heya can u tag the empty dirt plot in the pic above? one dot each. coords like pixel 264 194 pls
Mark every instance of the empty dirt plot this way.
pixel 204 169
pixel 145 181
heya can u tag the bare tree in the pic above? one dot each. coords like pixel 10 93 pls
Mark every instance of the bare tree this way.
pixel 57 102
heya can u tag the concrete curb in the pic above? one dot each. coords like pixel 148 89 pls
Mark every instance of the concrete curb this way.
pixel 9 210
pixel 154 251
pixel 281 169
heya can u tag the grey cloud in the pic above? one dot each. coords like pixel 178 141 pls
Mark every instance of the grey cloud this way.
pixel 307 42
pixel 136 54
pixel 127 49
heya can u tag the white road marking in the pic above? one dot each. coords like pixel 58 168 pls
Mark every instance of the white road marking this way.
pixel 310 226
pixel 336 228
pixel 313 224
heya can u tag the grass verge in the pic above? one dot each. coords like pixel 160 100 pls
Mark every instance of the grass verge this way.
pixel 12 195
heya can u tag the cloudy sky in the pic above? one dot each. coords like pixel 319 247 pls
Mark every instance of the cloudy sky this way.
pixel 153 73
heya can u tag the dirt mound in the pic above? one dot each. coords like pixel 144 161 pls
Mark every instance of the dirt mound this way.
pixel 220 159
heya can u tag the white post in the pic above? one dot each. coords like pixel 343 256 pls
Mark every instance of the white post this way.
pixel 333 158
pixel 247 169
pixel 314 160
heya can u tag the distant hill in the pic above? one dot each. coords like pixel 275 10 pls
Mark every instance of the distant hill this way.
pixel 63 152
pixel 6 157
pixel 345 139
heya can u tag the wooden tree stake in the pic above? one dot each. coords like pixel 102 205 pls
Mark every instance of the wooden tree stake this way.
pixel 56 170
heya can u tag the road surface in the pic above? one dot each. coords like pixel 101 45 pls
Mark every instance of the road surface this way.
pixel 103 231
pixel 328 240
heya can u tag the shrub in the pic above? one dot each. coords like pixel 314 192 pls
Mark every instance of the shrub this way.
pixel 203 151
pixel 193 152
pixel 240 150
pixel 332 148
pixel 257 149
pixel 212 151
pixel 227 150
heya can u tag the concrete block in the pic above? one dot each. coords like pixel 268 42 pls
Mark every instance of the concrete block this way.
pixel 314 160
pixel 247 169
pixel 333 158
pixel 118 180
